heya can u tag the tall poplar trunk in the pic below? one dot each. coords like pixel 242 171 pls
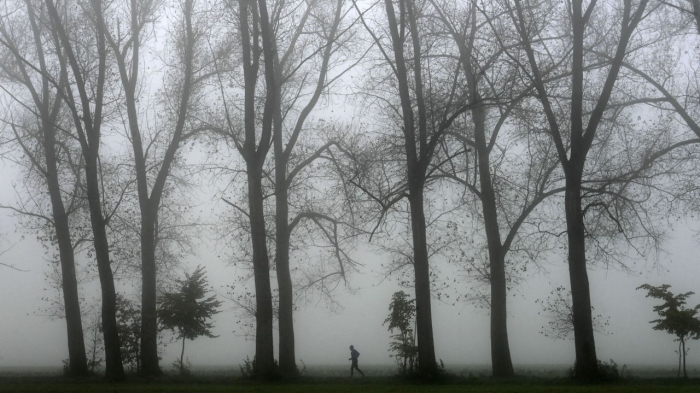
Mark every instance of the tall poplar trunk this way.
pixel 77 356
pixel 149 203
pixel 88 124
pixel 71 300
pixel 264 351
pixel 427 365
pixel 254 155
pixel 586 367
pixel 287 359
pixel 114 370
pixel 149 321
pixel 287 355
pixel 417 159
pixel 148 208
pixel 581 139
pixel 501 363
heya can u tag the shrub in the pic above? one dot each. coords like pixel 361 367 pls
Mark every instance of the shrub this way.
pixel 607 372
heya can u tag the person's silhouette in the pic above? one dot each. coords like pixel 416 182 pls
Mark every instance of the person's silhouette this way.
pixel 353 356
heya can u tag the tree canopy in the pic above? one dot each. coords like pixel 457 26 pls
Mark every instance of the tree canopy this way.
pixel 188 310
pixel 675 319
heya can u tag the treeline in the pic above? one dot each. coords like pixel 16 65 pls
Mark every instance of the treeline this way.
pixel 489 134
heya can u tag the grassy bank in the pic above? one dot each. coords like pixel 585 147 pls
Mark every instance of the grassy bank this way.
pixel 341 385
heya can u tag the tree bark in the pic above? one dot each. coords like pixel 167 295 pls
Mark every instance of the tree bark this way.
pixel 427 365
pixel 149 321
pixel 149 203
pixel 685 372
pixel 418 155
pixel 264 351
pixel 71 300
pixel 581 140
pixel 287 359
pixel 182 357
pixel 501 363
pixel 586 367
pixel 680 354
pixel 114 370
pixel 287 356
pixel 254 154
pixel 77 356
pixel 88 125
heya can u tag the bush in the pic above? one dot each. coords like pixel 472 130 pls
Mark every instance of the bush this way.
pixel 183 369
pixel 248 367
pixel 302 372
pixel 607 372
pixel 66 367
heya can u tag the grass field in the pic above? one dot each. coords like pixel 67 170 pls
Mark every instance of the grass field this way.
pixel 382 379
pixel 366 385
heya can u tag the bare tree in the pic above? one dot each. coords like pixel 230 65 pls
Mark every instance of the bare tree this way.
pixel 155 145
pixel 87 114
pixel 582 130
pixel 317 35
pixel 424 98
pixel 253 142
pixel 508 181
pixel 30 63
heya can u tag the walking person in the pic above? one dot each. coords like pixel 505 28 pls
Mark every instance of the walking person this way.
pixel 353 356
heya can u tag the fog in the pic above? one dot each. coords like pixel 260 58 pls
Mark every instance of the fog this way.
pixel 323 336
pixel 466 181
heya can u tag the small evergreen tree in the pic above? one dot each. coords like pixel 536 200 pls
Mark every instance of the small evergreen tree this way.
pixel 402 311
pixel 675 319
pixel 189 310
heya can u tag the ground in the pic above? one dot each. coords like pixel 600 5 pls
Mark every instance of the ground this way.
pixel 366 385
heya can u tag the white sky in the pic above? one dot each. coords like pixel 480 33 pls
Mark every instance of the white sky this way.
pixel 322 337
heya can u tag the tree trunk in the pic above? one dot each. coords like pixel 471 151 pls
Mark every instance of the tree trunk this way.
pixel 149 204
pixel 685 372
pixel 287 358
pixel 149 322
pixel 416 165
pixel 680 354
pixel 71 300
pixel 149 334
pixel 76 343
pixel 182 358
pixel 94 350
pixel 287 355
pixel 427 366
pixel 264 351
pixel 405 357
pixel 90 145
pixel 501 363
pixel 586 367
pixel 114 370
pixel 48 113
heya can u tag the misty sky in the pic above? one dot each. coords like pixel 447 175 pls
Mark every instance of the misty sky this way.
pixel 323 337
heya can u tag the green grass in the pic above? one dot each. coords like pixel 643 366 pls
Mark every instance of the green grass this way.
pixel 367 385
